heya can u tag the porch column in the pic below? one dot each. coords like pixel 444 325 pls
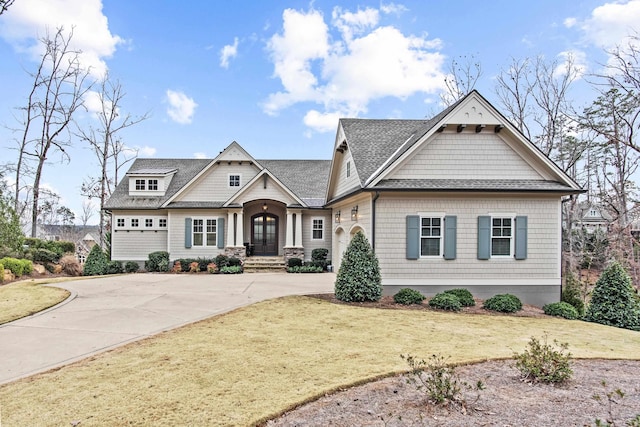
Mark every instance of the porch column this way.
pixel 298 229
pixel 230 228
pixel 289 234
pixel 293 247
pixel 235 229
pixel 240 228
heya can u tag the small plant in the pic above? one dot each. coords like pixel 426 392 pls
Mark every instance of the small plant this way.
pixel 439 380
pixel 571 293
pixel 212 268
pixel 131 267
pixel 221 261
pixel 464 296
pixel 613 397
pixel 561 309
pixel 408 296
pixel 235 262
pixel 305 269
pixel 194 267
pixel 96 263
pixel 445 301
pixel 503 303
pixel 236 269
pixel 13 264
pixel 114 267
pixel 294 262
pixel 542 362
pixel 158 261
pixel 70 265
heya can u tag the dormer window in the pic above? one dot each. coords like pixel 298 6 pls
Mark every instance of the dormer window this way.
pixel 140 184
pixel 348 169
pixel 153 185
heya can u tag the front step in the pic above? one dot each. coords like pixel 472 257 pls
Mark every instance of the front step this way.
pixel 264 264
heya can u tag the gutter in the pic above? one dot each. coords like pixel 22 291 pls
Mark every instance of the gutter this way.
pixel 373 221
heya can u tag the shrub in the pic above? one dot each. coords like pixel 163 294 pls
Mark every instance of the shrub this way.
pixel 194 267
pixel 464 296
pixel 408 296
pixel 359 276
pixel 445 301
pixel 504 303
pixel 235 262
pixel 158 261
pixel 131 267
pixel 305 269
pixel 114 267
pixel 1 272
pixel 439 380
pixel 571 294
pixel 613 301
pixel 294 262
pixel 212 268
pixel 319 254
pixel 203 263
pixel 236 269
pixel 66 247
pixel 27 266
pixel 542 362
pixel 44 255
pixel 13 264
pixel 70 265
pixel 221 261
pixel 561 309
pixel 96 263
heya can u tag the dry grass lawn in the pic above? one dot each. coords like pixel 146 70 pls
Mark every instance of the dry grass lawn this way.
pixel 256 362
pixel 20 299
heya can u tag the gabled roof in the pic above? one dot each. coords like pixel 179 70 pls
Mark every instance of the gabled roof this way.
pixel 305 178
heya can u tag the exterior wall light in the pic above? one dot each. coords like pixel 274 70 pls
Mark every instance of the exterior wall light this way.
pixel 354 213
pixel 338 217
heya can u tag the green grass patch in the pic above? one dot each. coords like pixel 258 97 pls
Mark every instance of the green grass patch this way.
pixel 21 299
pixel 256 362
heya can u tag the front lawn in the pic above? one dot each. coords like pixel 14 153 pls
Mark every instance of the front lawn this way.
pixel 20 299
pixel 256 362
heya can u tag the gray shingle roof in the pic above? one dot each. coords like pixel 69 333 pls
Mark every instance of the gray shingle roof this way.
pixel 305 178
pixel 526 185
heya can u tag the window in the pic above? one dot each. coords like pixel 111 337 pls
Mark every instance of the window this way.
pixel 234 180
pixel 152 185
pixel 140 184
pixel 162 223
pixel 501 233
pixel 120 222
pixel 148 222
pixel 317 229
pixel 202 236
pixel 348 169
pixel 430 236
pixel 134 222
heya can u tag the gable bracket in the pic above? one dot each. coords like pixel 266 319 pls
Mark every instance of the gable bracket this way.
pixel 461 128
pixel 441 128
pixel 498 128
pixel 479 128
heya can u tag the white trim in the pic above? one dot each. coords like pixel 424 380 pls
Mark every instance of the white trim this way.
pixel 461 283
pixel 318 218
pixel 512 237
pixel 432 215
pixel 204 220
pixel 239 175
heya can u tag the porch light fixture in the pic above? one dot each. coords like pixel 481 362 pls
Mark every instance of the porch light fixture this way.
pixel 338 217
pixel 354 213
pixel 265 207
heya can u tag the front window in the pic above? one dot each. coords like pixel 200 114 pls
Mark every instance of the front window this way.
pixel 148 222
pixel 134 222
pixel 430 236
pixel 153 185
pixel 198 227
pixel 234 180
pixel 140 184
pixel 318 229
pixel 501 236
pixel 211 232
pixel 120 222
pixel 162 222
pixel 204 232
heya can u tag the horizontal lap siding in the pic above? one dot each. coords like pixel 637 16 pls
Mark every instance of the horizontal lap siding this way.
pixel 176 234
pixel 307 232
pixel 543 238
pixel 137 245
pixel 214 186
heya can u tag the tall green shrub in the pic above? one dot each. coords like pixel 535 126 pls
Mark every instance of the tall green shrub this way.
pixel 614 301
pixel 11 236
pixel 571 293
pixel 359 276
pixel 158 261
pixel 96 263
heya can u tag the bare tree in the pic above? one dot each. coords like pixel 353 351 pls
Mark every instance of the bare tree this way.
pixel 59 85
pixel 513 88
pixel 87 212
pixel 463 75
pixel 4 5
pixel 110 152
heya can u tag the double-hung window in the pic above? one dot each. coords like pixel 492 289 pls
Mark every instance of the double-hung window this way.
pixel 204 232
pixel 501 236
pixel 317 229
pixel 211 232
pixel 430 236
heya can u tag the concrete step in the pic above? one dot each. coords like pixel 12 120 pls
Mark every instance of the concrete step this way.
pixel 260 263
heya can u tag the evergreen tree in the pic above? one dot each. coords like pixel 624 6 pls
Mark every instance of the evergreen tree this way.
pixel 11 236
pixel 614 301
pixel 359 275
pixel 96 263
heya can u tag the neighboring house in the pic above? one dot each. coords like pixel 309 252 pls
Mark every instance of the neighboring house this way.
pixel 83 236
pixel 460 200
pixel 592 217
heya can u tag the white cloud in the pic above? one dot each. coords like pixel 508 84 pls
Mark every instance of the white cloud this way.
pixel 576 59
pixel 228 52
pixel 396 9
pixel 199 156
pixel 611 23
pixel 181 107
pixel 365 62
pixel 93 104
pixel 28 20
pixel 146 151
pixel 570 22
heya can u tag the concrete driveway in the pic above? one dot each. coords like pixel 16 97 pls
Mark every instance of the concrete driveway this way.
pixel 108 312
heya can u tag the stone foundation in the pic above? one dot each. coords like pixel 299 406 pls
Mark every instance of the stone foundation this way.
pixel 239 252
pixel 293 252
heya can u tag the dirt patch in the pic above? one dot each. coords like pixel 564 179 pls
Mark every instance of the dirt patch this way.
pixel 506 401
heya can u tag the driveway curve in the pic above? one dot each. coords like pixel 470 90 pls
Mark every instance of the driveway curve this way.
pixel 111 311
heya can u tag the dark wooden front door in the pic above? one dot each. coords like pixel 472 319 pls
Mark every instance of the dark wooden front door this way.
pixel 264 234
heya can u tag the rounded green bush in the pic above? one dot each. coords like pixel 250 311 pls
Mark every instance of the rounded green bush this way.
pixel 408 296
pixel 294 262
pixel 504 303
pixel 359 277
pixel 571 293
pixel 561 309
pixel 465 297
pixel 96 263
pixel 445 301
pixel 131 267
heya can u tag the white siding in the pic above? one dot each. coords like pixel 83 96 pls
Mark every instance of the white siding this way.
pixel 307 232
pixel 466 155
pixel 343 182
pixel 176 234
pixel 214 185
pixel 131 245
pixel 543 238
pixel 273 192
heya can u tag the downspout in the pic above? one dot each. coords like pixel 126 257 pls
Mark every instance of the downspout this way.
pixel 373 221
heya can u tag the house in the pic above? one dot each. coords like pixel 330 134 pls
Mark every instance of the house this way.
pixel 459 200
pixel 592 217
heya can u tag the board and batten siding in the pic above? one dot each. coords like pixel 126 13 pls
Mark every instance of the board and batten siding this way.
pixel 543 239
pixel 176 236
pixel 466 156
pixel 308 241
pixel 214 185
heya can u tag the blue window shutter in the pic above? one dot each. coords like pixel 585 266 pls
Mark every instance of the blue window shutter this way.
pixel 187 232
pixel 450 236
pixel 220 231
pixel 413 237
pixel 484 237
pixel 521 237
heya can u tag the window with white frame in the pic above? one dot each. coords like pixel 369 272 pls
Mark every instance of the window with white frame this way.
pixel 211 232
pixel 148 222
pixel 140 184
pixel 430 236
pixel 152 185
pixel 204 232
pixel 134 222
pixel 162 223
pixel 234 180
pixel 501 236
pixel 120 222
pixel 317 229
pixel 348 169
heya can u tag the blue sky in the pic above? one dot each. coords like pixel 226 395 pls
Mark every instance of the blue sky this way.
pixel 276 75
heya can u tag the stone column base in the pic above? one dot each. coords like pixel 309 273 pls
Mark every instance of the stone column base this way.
pixel 293 252
pixel 239 252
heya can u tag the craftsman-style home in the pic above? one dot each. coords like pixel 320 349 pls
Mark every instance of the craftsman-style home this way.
pixel 459 200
